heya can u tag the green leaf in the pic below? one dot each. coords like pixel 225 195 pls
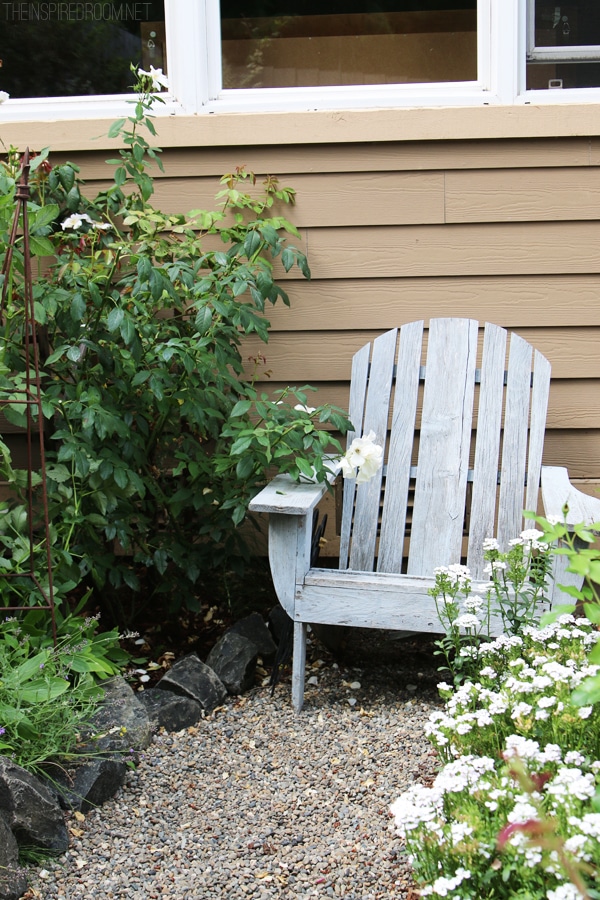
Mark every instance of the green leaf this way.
pixel 115 317
pixel 42 690
pixel 588 692
pixel 43 216
pixel 240 408
pixel 40 246
pixel 74 354
pixel 77 307
pixel 73 199
pixel 115 128
pixel 66 175
pixel 120 476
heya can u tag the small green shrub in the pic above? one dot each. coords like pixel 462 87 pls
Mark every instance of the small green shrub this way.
pixel 156 436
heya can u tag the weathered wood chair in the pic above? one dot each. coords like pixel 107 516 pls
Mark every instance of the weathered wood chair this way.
pixel 461 470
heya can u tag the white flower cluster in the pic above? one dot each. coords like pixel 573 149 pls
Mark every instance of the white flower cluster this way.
pixel 363 459
pixel 456 576
pixel 76 220
pixel 531 690
pixel 519 712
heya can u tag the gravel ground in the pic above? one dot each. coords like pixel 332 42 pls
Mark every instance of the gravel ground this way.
pixel 257 802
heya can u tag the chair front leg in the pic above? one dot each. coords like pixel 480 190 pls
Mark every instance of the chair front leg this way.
pixel 299 665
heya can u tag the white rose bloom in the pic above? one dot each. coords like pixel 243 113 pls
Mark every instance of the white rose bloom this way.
pixel 307 409
pixel 363 459
pixel 75 220
pixel 4 96
pixel 159 79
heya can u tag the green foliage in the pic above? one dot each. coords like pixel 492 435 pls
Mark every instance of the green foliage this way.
pixel 47 692
pixel 578 543
pixel 156 437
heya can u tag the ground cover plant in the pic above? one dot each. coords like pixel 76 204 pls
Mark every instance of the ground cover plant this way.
pixel 515 808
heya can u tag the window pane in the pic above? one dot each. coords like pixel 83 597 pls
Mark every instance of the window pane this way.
pixel 566 31
pixel 66 49
pixel 266 43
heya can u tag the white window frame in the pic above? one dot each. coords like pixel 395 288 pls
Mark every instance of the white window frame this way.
pixel 194 55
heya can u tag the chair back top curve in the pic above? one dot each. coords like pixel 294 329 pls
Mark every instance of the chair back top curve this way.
pixel 461 413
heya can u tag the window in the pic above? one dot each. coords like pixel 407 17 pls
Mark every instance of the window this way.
pixel 266 43
pixel 252 55
pixel 563 44
pixel 66 49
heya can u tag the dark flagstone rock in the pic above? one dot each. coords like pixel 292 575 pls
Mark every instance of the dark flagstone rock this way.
pixel 121 722
pixel 92 783
pixel 233 658
pixel 170 711
pixel 193 678
pixel 13 882
pixel 255 629
pixel 31 809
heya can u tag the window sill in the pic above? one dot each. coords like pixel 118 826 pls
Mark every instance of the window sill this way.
pixel 213 129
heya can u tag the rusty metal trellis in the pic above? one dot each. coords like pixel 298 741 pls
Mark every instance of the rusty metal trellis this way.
pixel 32 401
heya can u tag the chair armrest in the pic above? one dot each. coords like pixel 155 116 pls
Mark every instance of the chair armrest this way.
pixel 289 497
pixel 558 490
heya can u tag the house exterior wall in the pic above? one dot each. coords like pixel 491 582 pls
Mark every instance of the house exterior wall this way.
pixel 504 228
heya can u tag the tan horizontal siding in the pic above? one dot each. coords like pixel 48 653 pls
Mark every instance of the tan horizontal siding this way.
pixel 389 198
pixel 358 157
pixel 574 403
pixel 522 195
pixel 409 198
pixel 381 303
pixel 294 357
pixel 496 249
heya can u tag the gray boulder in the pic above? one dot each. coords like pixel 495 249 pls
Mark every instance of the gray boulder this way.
pixel 255 629
pixel 31 810
pixel 92 783
pixel 190 677
pixel 233 658
pixel 170 711
pixel 121 723
pixel 13 882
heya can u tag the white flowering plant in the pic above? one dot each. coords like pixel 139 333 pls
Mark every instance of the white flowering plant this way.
pixel 515 810
pixel 524 686
pixel 464 616
pixel 519 578
pixel 516 593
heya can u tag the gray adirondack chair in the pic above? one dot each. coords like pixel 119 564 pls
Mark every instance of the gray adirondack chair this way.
pixel 472 457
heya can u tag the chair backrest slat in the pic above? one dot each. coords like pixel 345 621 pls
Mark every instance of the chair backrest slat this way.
pixel 487 446
pixel 537 428
pixel 356 408
pixel 393 523
pixel 514 444
pixel 367 501
pixel 444 445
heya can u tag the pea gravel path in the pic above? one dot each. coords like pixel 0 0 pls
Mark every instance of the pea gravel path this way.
pixel 256 802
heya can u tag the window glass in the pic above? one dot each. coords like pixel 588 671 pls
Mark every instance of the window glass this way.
pixel 564 45
pixel 65 49
pixel 266 43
